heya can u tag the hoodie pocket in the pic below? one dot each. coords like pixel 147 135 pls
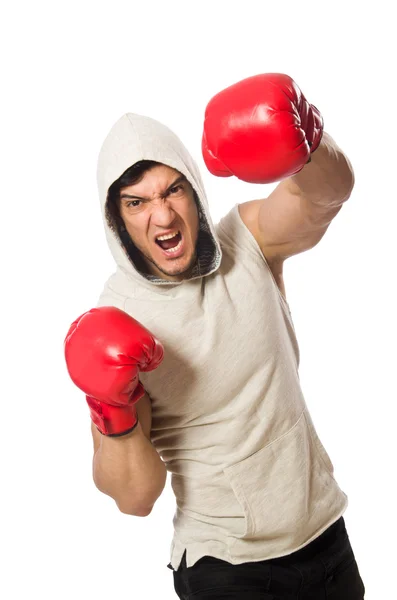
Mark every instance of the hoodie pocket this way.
pixel 284 487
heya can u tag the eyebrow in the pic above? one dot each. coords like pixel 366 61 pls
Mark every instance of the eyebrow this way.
pixel 173 184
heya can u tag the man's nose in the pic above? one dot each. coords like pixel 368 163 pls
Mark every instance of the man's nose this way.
pixel 162 212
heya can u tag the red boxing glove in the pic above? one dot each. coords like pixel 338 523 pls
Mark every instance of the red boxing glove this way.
pixel 105 349
pixel 261 129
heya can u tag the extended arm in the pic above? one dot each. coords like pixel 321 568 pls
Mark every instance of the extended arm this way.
pixel 297 213
pixel 262 129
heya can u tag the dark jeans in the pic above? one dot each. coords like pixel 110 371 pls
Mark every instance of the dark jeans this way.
pixel 325 569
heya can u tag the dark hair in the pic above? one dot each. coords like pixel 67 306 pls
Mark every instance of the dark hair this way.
pixel 131 176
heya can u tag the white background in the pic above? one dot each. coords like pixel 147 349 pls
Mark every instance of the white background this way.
pixel 69 71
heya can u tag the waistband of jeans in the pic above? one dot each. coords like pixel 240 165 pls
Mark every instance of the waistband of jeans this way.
pixel 323 541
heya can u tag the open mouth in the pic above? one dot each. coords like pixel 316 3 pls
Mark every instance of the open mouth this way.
pixel 170 243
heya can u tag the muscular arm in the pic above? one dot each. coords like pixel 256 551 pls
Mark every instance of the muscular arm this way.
pixel 326 181
pixel 297 213
pixel 128 468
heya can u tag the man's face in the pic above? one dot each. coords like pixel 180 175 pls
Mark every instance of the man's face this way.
pixel 162 204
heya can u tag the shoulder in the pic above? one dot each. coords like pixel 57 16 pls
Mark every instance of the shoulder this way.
pixel 249 214
pixel 234 234
pixel 241 226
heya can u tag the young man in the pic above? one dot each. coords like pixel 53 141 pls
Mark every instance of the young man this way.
pixel 203 308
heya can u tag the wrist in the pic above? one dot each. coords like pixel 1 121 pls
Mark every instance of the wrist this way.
pixel 315 128
pixel 111 420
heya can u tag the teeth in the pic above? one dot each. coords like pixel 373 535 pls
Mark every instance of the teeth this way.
pixel 172 250
pixel 167 237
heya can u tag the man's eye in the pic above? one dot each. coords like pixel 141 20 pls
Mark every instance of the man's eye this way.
pixel 133 203
pixel 175 189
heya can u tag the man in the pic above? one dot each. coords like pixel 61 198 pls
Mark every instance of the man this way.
pixel 196 315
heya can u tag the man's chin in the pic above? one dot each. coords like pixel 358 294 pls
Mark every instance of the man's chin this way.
pixel 178 271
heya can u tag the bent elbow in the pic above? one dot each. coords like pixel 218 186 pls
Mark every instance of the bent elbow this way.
pixel 135 511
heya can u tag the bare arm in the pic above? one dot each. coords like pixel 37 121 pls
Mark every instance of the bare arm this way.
pixel 297 213
pixel 128 468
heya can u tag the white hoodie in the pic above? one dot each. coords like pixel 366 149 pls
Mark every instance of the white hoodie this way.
pixel 252 479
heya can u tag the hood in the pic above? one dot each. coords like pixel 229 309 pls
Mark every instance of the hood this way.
pixel 131 139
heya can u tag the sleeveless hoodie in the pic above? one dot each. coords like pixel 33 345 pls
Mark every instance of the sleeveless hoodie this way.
pixel 251 478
